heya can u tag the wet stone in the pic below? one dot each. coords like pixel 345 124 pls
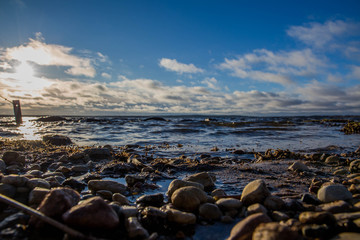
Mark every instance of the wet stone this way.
pixel 112 186
pixel 256 208
pixel 274 203
pixel 37 182
pixel 131 180
pixel 135 229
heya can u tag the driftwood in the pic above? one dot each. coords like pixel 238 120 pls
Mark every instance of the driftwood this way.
pixel 44 218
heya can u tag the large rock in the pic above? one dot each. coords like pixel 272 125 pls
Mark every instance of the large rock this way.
pixel 37 182
pixel 98 153
pixel 274 231
pixel 13 158
pixel 56 203
pixel 355 166
pixel 204 178
pixel 176 184
pixel 331 193
pixel 112 186
pixel 210 211
pixel 92 213
pixel 57 140
pixel 254 192
pixel 188 198
pixel 244 229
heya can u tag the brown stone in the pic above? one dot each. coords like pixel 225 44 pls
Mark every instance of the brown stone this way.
pixel 244 229
pixel 188 198
pixel 254 192
pixel 273 231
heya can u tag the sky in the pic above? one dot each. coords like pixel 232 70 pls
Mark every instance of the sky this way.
pixel 94 57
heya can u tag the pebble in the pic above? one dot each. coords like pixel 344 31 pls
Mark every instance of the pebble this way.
pixel 333 193
pixel 254 192
pixel 332 160
pixel 336 207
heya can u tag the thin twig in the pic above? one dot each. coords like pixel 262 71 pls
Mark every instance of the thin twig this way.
pixel 44 218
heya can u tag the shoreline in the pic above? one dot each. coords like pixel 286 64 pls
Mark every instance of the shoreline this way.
pixel 38 168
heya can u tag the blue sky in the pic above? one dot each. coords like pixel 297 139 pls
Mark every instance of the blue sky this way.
pixel 175 57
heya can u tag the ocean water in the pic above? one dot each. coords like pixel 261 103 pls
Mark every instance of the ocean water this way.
pixel 194 134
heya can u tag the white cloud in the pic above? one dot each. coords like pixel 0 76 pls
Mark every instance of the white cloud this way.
pixel 106 75
pixel 211 83
pixel 355 72
pixel 50 55
pixel 175 66
pixel 267 66
pixel 318 35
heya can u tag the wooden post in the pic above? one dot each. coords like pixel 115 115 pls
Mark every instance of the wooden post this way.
pixel 17 111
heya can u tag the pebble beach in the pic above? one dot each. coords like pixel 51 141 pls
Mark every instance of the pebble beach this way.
pixel 157 191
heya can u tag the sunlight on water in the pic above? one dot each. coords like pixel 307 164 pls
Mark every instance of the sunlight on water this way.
pixel 28 130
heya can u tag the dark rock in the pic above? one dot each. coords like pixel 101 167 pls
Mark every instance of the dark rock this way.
pixel 228 204
pixel 15 180
pixel 92 213
pixel 272 231
pixel 7 190
pixel 274 203
pixel 12 220
pixel 355 166
pixel 112 186
pixel 210 211
pixel 13 158
pixel 121 199
pixel 57 140
pixel 74 184
pixel 55 204
pixel 50 119
pixel 135 229
pixel 155 200
pixel 98 153
pixel 336 207
pixel 310 199
pixel 180 217
pixel 317 218
pixel 131 180
pixel 316 231
pixel 155 119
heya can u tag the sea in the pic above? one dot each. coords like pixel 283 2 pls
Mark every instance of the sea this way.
pixel 193 134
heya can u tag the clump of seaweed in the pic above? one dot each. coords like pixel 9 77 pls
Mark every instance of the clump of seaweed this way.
pixel 351 128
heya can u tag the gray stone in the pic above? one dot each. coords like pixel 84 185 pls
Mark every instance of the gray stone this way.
pixel 112 186
pixel 254 192
pixel 188 198
pixel 333 193
pixel 210 211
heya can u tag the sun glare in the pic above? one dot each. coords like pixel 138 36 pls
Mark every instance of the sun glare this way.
pixel 24 71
